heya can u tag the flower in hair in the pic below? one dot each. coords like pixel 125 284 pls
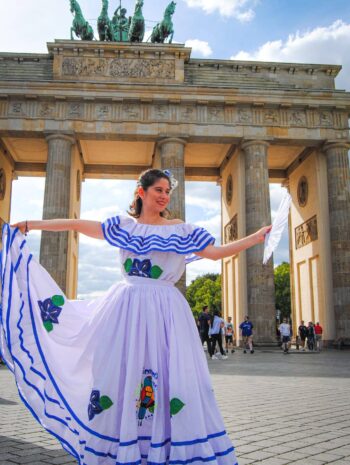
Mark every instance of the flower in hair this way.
pixel 173 182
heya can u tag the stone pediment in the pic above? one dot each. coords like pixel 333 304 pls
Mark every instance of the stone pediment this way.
pixel 118 62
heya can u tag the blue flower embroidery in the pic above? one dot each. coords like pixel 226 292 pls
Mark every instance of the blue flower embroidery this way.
pixel 141 268
pixel 94 405
pixel 50 310
pixel 98 404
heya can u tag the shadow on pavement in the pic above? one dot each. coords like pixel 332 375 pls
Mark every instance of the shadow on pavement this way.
pixel 16 451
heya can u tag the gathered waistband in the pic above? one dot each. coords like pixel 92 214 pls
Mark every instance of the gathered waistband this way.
pixel 137 281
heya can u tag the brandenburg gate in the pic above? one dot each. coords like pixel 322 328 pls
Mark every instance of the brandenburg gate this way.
pixel 102 109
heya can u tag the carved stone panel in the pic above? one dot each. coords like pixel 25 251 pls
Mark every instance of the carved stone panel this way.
pixel 231 230
pixel 131 111
pixel 229 189
pixel 326 119
pixel 303 191
pixel 160 112
pixel 188 113
pixel 271 117
pixel 297 118
pixel 75 110
pixel 17 109
pixel 245 115
pixel 117 68
pixel 306 233
pixel 215 114
pixel 103 111
pixel 2 184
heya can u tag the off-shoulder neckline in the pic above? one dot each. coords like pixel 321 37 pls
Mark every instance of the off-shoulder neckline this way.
pixel 155 225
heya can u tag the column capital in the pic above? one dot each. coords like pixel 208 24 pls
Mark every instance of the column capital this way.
pixel 172 140
pixel 336 144
pixel 61 136
pixel 248 143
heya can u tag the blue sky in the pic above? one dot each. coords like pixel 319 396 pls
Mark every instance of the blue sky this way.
pixel 313 31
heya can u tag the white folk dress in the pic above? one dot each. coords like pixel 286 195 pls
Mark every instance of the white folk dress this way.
pixel 121 379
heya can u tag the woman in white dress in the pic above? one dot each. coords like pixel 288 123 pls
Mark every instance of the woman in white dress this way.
pixel 121 379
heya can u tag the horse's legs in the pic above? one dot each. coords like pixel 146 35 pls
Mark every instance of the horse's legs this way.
pixel 71 33
pixel 171 37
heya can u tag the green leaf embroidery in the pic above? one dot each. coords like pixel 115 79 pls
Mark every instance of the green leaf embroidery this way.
pixel 151 409
pixel 128 265
pixel 156 271
pixel 175 406
pixel 48 325
pixel 105 402
pixel 58 300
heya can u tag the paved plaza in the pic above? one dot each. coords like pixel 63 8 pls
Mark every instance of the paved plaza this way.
pixel 278 409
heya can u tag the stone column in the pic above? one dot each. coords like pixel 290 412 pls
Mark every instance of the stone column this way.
pixel 339 218
pixel 260 278
pixel 172 157
pixel 54 245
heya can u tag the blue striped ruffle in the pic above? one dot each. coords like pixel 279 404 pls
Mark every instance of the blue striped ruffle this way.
pixel 127 234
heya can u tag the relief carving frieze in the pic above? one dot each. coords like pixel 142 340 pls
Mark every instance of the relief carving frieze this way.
pixel 215 114
pixel 188 113
pixel 103 111
pixel 271 117
pixel 161 112
pixel 326 119
pixel 82 67
pixel 46 110
pixel 131 111
pixel 306 233
pixel 245 115
pixel 75 110
pixel 297 118
pixel 17 109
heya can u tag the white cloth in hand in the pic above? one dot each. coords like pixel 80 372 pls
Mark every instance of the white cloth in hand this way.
pixel 273 238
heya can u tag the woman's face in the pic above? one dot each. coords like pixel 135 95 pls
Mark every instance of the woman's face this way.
pixel 157 196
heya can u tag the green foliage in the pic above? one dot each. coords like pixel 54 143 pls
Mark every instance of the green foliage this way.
pixel 204 290
pixel 282 289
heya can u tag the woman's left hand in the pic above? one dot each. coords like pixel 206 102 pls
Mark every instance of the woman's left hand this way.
pixel 261 233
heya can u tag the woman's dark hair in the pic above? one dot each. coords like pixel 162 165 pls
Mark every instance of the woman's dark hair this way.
pixel 147 179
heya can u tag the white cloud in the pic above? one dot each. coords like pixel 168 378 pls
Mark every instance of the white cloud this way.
pixel 328 45
pixel 239 9
pixel 199 47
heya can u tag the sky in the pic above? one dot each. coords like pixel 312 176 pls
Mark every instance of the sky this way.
pixel 301 31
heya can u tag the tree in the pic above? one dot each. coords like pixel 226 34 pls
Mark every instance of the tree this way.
pixel 204 290
pixel 282 289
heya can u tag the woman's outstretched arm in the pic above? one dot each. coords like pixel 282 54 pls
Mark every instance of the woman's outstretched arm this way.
pixel 87 227
pixel 223 251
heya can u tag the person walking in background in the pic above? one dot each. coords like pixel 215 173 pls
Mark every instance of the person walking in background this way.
pixel 302 330
pixel 204 327
pixel 246 328
pixel 311 336
pixel 216 335
pixel 229 333
pixel 318 334
pixel 285 335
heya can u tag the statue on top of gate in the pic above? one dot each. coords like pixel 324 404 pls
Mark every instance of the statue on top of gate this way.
pixel 164 29
pixel 122 28
pixel 104 24
pixel 80 26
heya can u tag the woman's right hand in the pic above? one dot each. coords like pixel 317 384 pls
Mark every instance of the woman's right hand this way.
pixel 21 226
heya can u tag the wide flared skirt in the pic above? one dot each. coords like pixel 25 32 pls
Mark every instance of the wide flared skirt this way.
pixel 121 379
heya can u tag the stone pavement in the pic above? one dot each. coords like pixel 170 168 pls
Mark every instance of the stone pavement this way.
pixel 278 409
